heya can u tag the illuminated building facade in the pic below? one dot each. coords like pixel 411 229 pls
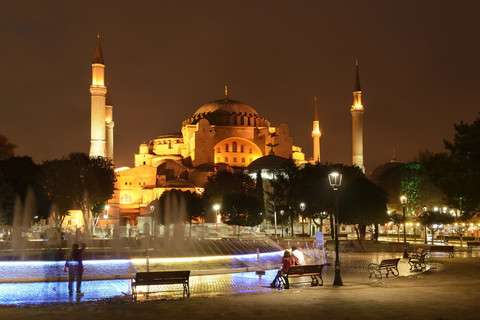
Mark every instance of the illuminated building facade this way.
pixel 222 134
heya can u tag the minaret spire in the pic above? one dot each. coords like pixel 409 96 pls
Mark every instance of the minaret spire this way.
pixel 357 123
pixel 98 90
pixel 316 134
pixel 98 55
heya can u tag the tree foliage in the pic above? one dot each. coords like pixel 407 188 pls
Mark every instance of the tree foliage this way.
pixel 19 177
pixel 241 210
pixel 225 183
pixel 457 171
pixel 6 148
pixel 79 181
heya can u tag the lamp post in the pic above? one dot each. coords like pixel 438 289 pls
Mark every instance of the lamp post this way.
pixel 403 201
pixel 281 215
pixel 335 180
pixel 275 222
pixel 302 207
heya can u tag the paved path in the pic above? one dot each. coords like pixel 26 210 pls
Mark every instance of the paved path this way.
pixel 202 284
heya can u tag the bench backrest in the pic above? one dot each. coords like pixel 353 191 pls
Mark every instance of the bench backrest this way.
pixel 162 277
pixel 473 244
pixel 389 262
pixel 305 269
pixel 441 248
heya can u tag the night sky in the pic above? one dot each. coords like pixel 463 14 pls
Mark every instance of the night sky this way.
pixel 419 70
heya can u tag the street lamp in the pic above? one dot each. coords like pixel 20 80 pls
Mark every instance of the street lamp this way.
pixel 281 215
pixel 302 207
pixel 403 201
pixel 335 180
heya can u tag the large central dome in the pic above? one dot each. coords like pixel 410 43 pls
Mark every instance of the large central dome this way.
pixel 226 105
pixel 227 112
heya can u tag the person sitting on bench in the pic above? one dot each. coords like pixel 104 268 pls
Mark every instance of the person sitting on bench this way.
pixel 286 263
pixel 298 256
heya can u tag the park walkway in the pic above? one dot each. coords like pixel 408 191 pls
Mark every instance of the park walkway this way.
pixel 203 283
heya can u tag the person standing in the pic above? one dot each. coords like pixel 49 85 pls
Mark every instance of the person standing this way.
pixel 74 264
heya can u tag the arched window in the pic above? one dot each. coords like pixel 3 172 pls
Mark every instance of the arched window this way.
pixel 226 159
pixel 242 148
pixel 234 146
pixel 218 150
pixel 125 198
pixel 234 159
pixel 226 148
pixel 243 160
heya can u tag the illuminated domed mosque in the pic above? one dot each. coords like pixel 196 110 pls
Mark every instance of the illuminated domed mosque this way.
pixel 224 134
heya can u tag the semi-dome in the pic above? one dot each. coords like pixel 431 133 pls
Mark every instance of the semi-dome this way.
pixel 270 162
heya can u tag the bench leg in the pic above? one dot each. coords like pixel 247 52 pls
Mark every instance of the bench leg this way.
pixel 186 290
pixel 133 288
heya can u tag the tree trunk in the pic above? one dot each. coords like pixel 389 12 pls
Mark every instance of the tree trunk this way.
pixel 291 225
pixel 375 235
pixel 363 230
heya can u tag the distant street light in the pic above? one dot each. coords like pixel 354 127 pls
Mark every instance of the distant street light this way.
pixel 335 180
pixel 403 201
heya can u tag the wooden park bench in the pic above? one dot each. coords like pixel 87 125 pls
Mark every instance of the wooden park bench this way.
pixel 470 246
pixel 446 249
pixel 161 278
pixel 387 265
pixel 394 246
pixel 345 245
pixel 312 270
pixel 417 260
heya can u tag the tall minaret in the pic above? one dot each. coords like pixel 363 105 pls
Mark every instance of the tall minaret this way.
pixel 357 123
pixel 98 91
pixel 109 124
pixel 316 134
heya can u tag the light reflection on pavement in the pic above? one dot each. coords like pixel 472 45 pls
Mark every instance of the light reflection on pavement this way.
pixel 354 269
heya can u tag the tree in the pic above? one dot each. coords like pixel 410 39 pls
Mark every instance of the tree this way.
pixel 285 192
pixel 168 208
pixel 19 177
pixel 361 202
pixel 432 220
pixel 457 172
pixel 409 179
pixel 397 219
pixel 241 210
pixel 55 178
pixel 6 148
pixel 81 181
pixel 225 183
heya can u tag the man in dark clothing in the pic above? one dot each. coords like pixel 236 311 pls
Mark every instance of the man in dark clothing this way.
pixel 74 264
